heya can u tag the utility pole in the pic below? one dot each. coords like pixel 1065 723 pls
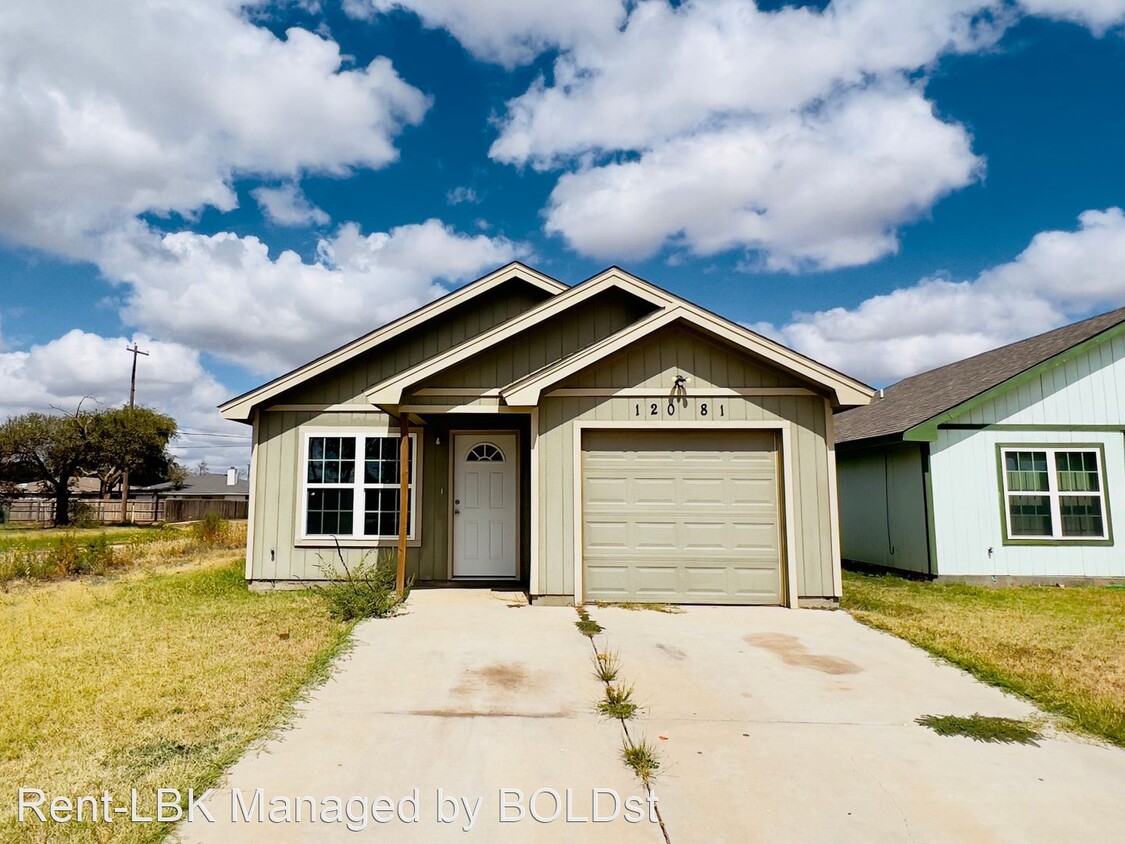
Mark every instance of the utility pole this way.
pixel 134 350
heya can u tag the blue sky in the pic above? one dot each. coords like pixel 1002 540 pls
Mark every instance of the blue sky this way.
pixel 884 184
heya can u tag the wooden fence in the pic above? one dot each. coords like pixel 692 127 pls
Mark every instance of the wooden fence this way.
pixel 191 509
pixel 142 511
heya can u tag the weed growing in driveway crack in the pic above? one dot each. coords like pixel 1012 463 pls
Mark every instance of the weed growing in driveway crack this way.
pixel 618 703
pixel 586 625
pixel 641 757
pixel 606 666
pixel 982 728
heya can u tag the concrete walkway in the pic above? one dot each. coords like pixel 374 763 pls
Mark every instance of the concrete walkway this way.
pixel 799 726
pixel 464 693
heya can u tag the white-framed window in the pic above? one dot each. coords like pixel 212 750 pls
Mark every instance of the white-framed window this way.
pixel 350 486
pixel 1054 494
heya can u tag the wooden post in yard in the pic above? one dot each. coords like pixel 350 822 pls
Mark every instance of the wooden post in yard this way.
pixel 403 499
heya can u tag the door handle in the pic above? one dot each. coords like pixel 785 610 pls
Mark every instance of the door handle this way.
pixel 456 512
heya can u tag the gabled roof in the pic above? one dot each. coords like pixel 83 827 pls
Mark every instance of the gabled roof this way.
pixel 241 407
pixel 195 485
pixel 847 391
pixel 931 396
pixel 390 391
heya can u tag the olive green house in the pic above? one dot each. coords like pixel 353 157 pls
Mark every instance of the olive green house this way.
pixel 606 441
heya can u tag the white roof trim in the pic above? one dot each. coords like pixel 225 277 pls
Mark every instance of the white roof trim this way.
pixel 240 408
pixel 846 391
pixel 389 392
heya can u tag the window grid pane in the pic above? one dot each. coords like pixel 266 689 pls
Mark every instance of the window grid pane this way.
pixel 1027 471
pixel 1029 515
pixel 1077 471
pixel 329 512
pixel 381 512
pixel 381 460
pixel 331 460
pixel 1081 516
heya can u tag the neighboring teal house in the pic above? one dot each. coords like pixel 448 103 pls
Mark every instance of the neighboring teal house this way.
pixel 1004 465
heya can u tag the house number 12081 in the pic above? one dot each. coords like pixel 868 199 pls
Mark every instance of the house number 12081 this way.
pixel 654 409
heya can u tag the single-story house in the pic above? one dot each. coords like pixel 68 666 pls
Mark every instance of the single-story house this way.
pixel 197 496
pixel 607 441
pixel 211 485
pixel 1005 465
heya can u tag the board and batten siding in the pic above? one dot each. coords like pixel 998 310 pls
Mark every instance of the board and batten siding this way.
pixel 967 508
pixel 278 487
pixel 883 506
pixel 562 335
pixel 655 364
pixel 1075 402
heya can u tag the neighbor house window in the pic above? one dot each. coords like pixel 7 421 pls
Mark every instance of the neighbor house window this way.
pixel 351 486
pixel 1054 494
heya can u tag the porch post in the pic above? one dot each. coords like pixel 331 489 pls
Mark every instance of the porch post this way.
pixel 403 499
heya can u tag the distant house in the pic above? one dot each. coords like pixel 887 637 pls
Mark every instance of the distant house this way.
pixel 224 495
pixel 1008 464
pixel 213 486
pixel 607 441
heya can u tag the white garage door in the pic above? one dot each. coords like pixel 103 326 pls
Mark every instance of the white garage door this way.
pixel 681 517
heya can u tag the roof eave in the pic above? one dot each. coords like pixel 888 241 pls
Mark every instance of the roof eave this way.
pixel 240 408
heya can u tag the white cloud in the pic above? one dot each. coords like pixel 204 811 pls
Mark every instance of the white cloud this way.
pixel 677 70
pixel 795 135
pixel 1061 276
pixel 112 109
pixel 287 205
pixel 83 367
pixel 462 194
pixel 1097 15
pixel 508 32
pixel 225 294
pixel 824 188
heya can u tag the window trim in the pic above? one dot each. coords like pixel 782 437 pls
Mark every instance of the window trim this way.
pixel 355 540
pixel 1053 495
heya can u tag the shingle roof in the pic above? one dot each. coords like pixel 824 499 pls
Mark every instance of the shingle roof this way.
pixel 920 397
pixel 211 484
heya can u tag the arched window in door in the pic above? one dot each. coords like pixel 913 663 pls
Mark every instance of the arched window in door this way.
pixel 484 453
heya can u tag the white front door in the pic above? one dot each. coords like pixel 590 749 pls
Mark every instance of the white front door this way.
pixel 485 514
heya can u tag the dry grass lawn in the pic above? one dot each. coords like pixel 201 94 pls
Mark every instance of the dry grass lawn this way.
pixel 42 537
pixel 1064 649
pixel 160 677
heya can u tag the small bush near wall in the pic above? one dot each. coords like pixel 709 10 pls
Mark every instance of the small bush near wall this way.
pixel 213 531
pixel 362 590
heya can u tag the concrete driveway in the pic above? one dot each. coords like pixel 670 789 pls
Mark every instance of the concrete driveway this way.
pixel 468 692
pixel 773 725
pixel 799 726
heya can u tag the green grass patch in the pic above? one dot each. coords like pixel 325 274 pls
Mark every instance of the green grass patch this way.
pixel 586 625
pixel 642 758
pixel 38 538
pixel 982 728
pixel 1061 648
pixel 618 703
pixel 607 664
pixel 157 678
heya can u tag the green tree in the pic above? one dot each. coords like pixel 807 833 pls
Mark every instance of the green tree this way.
pixel 51 448
pixel 133 440
pixel 57 448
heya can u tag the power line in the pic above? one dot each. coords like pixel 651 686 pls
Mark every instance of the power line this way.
pixel 219 436
pixel 201 447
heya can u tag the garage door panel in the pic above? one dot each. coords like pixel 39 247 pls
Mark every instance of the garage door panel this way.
pixel 681 517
